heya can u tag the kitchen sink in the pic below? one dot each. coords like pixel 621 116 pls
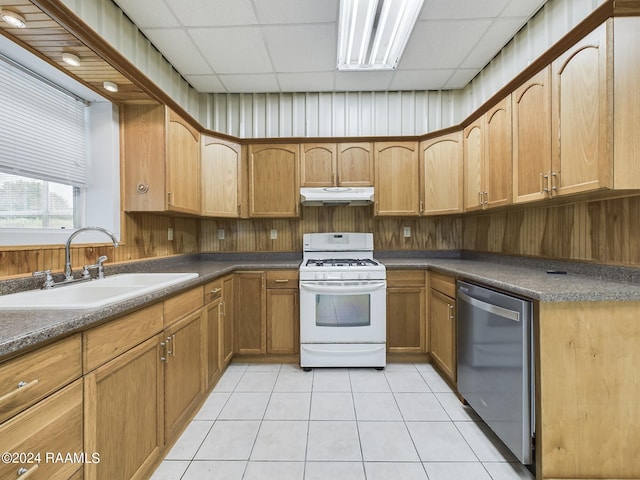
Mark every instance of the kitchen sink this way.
pixel 94 293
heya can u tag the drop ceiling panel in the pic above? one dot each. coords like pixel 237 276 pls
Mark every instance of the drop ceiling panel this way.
pixel 173 43
pixel 148 13
pixel 296 11
pixel 302 48
pixel 290 45
pixel 233 50
pixel 211 13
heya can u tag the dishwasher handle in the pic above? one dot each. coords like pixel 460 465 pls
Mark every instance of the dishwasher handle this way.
pixel 488 307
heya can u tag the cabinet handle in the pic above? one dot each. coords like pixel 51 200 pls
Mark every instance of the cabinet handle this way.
pixel 169 348
pixel 223 309
pixel 215 291
pixel 25 473
pixel 544 183
pixel 169 198
pixel 480 201
pixel 451 316
pixel 22 386
pixel 173 345
pixel 281 280
pixel 163 355
pixel 421 207
pixel 553 184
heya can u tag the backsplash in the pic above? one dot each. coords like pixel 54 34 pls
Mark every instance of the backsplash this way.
pixel 603 231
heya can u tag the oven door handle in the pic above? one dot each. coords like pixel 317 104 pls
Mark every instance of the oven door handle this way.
pixel 341 288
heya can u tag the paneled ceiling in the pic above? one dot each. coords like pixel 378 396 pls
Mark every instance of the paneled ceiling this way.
pixel 241 46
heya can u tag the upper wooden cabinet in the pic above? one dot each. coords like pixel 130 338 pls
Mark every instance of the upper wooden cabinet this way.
pixel 441 175
pixel 273 180
pixel 161 160
pixel 532 138
pixel 330 164
pixel 595 111
pixel 396 178
pixel 488 159
pixel 221 177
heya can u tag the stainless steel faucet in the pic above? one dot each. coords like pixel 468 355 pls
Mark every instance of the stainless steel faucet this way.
pixel 68 272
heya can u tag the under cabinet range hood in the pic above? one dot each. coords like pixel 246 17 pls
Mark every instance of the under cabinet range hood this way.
pixel 334 196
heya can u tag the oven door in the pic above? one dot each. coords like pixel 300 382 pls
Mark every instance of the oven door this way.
pixel 343 311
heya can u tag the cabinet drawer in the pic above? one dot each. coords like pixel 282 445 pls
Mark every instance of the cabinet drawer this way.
pixel 38 373
pixel 53 426
pixel 182 304
pixel 443 284
pixel 282 279
pixel 107 341
pixel 401 278
pixel 213 290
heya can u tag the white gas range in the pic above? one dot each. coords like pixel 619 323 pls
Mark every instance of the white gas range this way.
pixel 342 302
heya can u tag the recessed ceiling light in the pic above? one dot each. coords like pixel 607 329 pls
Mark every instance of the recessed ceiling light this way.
pixel 12 18
pixel 71 59
pixel 110 86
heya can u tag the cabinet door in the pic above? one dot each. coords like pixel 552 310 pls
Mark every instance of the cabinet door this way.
pixel 283 327
pixel 355 164
pixel 213 342
pixel 182 165
pixel 220 178
pixel 123 414
pixel 441 175
pixel 498 158
pixel 273 181
pixel 53 425
pixel 532 138
pixel 143 152
pixel 405 319
pixel 473 166
pixel 396 174
pixel 227 322
pixel 184 372
pixel 250 325
pixel 442 327
pixel 580 117
pixel 318 164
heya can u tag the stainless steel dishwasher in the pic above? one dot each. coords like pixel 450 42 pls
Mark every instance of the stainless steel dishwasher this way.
pixel 495 363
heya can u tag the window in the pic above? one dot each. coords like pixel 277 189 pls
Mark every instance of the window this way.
pixel 59 154
pixel 31 203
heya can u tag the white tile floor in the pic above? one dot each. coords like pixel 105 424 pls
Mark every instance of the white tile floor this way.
pixel 279 422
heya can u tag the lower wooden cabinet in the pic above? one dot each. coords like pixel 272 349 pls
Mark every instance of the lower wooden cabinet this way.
pixel 406 311
pixel 250 321
pixel 124 413
pixel 184 375
pixel 227 320
pixel 442 324
pixel 212 335
pixel 283 312
pixel 36 435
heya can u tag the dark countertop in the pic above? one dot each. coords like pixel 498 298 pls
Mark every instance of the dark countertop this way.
pixel 24 329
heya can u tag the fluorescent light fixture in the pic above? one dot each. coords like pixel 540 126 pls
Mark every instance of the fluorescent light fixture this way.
pixel 373 33
pixel 12 18
pixel 110 86
pixel 71 59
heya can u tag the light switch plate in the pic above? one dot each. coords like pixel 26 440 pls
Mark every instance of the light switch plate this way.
pixel 407 232
pixel 274 234
pixel 221 234
pixel 169 233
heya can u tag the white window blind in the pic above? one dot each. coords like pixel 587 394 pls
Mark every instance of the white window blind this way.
pixel 42 130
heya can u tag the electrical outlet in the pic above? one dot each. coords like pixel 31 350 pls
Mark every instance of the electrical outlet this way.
pixel 169 233
pixel 274 234
pixel 407 232
pixel 221 234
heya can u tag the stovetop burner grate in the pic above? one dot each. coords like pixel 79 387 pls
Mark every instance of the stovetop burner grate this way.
pixel 341 262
